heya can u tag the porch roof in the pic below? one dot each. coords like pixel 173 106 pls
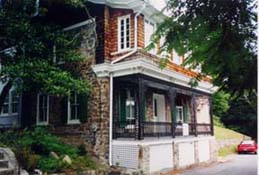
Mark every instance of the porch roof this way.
pixel 149 68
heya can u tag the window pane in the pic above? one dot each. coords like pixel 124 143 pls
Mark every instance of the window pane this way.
pixel 74 107
pixel 5 109
pixel 155 107
pixel 124 37
pixel 15 102
pixel 43 108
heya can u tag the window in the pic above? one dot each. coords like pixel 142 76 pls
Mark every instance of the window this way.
pixel 149 30
pixel 130 106
pixel 42 109
pixel 73 109
pixel 6 106
pixel 179 114
pixel 11 104
pixel 159 107
pixel 155 107
pixel 14 102
pixel 176 58
pixel 124 32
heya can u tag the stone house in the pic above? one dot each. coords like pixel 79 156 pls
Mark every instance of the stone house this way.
pixel 137 116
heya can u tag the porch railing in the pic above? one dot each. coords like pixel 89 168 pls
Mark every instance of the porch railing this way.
pixel 158 129
pixel 203 129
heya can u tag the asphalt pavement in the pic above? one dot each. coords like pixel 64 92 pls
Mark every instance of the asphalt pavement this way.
pixel 244 164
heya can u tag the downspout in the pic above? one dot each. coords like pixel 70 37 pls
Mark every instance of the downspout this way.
pixel 111 78
pixel 111 119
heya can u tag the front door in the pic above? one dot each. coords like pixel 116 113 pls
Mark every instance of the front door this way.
pixel 159 108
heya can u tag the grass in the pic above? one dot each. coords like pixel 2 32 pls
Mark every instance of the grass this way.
pixel 227 150
pixel 224 134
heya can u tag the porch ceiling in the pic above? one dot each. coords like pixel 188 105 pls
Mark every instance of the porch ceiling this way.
pixel 147 67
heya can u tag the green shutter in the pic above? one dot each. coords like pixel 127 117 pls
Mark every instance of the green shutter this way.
pixel 83 107
pixel 174 113
pixel 123 97
pixel 185 115
pixel 64 110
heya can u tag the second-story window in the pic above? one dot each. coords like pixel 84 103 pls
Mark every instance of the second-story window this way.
pixel 124 32
pixel 149 30
pixel 177 59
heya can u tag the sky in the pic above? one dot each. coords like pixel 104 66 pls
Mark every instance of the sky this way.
pixel 159 4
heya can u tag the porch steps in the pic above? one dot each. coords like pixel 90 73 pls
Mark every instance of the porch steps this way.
pixel 8 164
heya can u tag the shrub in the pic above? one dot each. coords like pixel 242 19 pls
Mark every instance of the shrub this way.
pixel 33 147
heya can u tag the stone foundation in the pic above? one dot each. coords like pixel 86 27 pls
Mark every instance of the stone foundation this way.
pixel 161 154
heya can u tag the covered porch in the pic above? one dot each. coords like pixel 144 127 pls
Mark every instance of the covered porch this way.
pixel 146 107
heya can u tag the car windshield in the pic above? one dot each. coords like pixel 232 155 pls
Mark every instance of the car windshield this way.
pixel 247 142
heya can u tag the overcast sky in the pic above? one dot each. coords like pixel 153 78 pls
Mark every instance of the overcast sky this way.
pixel 159 4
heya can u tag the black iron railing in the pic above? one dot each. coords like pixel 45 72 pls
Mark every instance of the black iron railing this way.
pixel 158 129
pixel 124 130
pixel 203 129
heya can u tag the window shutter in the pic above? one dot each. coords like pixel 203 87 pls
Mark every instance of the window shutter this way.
pixel 123 97
pixel 83 106
pixel 185 113
pixel 64 110
pixel 174 113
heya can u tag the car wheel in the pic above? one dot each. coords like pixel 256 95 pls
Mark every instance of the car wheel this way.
pixel 255 152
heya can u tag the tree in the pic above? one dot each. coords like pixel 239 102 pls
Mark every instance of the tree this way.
pixel 218 35
pixel 242 116
pixel 29 43
pixel 220 103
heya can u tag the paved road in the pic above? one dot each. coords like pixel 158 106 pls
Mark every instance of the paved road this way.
pixel 245 164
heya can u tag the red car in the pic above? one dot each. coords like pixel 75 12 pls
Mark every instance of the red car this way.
pixel 247 146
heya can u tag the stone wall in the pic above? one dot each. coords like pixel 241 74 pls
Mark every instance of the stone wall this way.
pixel 184 153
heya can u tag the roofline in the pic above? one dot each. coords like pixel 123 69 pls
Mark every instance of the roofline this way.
pixel 135 5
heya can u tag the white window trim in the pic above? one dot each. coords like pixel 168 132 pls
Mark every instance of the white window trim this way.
pixel 38 112
pixel 178 119
pixel 69 120
pixel 10 102
pixel 119 32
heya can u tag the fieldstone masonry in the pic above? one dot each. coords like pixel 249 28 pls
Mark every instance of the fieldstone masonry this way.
pixel 144 155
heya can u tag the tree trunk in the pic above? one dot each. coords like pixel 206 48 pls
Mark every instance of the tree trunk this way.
pixel 4 93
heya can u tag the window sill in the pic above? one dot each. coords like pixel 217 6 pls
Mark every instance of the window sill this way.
pixel 73 122
pixel 6 115
pixel 42 124
pixel 121 51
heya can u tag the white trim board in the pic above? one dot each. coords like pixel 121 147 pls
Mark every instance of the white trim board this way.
pixel 161 141
pixel 149 68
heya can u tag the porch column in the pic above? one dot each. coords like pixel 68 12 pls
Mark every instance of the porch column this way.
pixel 193 104
pixel 140 111
pixel 211 116
pixel 172 95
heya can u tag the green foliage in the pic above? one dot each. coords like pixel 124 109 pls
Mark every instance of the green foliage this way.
pixel 220 103
pixel 50 165
pixel 29 64
pixel 218 35
pixel 33 148
pixel 242 115
pixel 217 122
